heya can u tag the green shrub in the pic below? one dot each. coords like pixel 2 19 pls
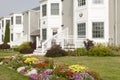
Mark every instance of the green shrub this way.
pixel 56 51
pixel 100 50
pixel 7 34
pixel 24 45
pixel 81 52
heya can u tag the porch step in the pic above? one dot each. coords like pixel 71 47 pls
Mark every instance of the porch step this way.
pixel 38 51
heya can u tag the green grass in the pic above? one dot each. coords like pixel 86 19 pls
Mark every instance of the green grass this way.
pixel 108 67
pixel 9 74
pixel 7 53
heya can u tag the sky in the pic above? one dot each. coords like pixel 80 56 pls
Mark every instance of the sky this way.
pixel 11 6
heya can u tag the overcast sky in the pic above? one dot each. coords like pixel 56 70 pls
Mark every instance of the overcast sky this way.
pixel 9 6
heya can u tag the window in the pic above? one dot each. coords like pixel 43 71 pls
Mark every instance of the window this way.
pixel 98 29
pixel 81 2
pixel 2 38
pixel 11 36
pixel 81 27
pixel 97 1
pixel 18 20
pixel 44 34
pixel 2 23
pixel 11 20
pixel 44 10
pixel 55 9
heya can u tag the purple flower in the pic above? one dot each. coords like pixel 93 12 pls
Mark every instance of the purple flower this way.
pixel 77 76
pixel 33 76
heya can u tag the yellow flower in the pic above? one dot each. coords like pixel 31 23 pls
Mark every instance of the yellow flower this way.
pixel 77 68
pixel 30 60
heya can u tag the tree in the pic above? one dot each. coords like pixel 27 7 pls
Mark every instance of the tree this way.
pixel 7 34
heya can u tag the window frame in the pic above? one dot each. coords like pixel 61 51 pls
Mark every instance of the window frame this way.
pixel 81 2
pixel 44 31
pixel 55 9
pixel 18 20
pixel 98 30
pixel 81 30
pixel 44 10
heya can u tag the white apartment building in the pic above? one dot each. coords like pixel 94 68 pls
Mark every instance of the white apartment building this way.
pixel 70 22
pixel 16 28
pixel 3 22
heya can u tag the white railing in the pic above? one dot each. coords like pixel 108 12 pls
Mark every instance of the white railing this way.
pixel 64 40
pixel 58 39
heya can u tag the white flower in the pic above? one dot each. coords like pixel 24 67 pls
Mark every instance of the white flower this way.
pixel 20 69
pixel 1 63
pixel 32 71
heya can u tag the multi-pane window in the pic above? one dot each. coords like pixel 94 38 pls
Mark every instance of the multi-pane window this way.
pixel 81 27
pixel 11 36
pixel 11 20
pixel 44 34
pixel 2 23
pixel 18 20
pixel 2 38
pixel 98 29
pixel 97 1
pixel 81 2
pixel 55 9
pixel 44 10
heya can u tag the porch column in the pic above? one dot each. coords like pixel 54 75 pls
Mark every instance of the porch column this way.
pixel 37 42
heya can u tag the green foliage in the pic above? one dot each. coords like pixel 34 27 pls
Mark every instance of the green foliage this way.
pixel 7 34
pixel 95 75
pixel 100 50
pixel 56 51
pixel 81 52
pixel 24 45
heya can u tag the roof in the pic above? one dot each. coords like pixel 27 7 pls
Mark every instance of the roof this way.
pixel 35 33
pixel 36 8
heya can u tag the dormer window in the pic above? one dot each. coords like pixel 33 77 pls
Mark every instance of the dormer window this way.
pixel 81 2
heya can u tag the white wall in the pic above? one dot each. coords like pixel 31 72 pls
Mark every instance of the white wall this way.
pixel 91 13
pixel 51 21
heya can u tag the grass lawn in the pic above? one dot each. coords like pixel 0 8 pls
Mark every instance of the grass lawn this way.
pixel 8 74
pixel 108 67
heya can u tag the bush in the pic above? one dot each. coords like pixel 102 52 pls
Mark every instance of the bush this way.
pixel 81 52
pixel 100 50
pixel 56 51
pixel 26 50
pixel 4 46
pixel 88 44
pixel 24 45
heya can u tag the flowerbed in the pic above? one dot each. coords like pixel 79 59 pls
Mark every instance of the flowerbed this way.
pixel 47 70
